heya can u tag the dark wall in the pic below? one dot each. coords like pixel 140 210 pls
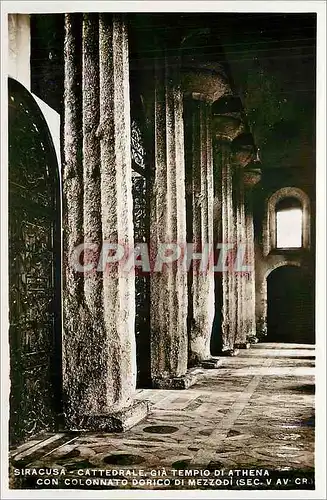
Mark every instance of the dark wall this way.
pixel 47 58
pixel 290 306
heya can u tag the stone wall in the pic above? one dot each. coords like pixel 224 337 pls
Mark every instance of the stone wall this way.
pixel 19 45
pixel 268 258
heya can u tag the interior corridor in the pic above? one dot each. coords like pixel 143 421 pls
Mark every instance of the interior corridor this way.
pixel 255 411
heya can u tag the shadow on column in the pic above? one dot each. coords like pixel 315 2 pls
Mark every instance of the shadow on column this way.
pixel 216 334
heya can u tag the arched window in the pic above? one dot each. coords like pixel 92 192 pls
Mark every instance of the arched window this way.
pixel 287 221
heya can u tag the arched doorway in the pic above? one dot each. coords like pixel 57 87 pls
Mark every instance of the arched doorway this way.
pixel 34 269
pixel 290 305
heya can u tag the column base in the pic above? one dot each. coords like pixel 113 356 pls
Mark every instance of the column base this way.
pixel 230 352
pixel 184 382
pixel 243 345
pixel 119 421
pixel 253 339
pixel 210 364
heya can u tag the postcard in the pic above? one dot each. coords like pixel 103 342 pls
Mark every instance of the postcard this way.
pixel 162 260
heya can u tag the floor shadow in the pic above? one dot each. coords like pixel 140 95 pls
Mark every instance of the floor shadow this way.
pixel 288 345
pixel 305 388
pixel 304 358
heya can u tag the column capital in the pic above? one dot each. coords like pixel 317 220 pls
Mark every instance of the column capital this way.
pixel 204 75
pixel 243 149
pixel 230 126
pixel 252 175
pixel 204 81
pixel 227 127
pixel 227 118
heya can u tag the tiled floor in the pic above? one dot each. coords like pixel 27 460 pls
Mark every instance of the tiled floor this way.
pixel 255 413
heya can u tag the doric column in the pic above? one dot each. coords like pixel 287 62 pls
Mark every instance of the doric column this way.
pixel 203 83
pixel 243 151
pixel 199 174
pixel 72 214
pixel 93 289
pixel 226 125
pixel 233 151
pixel 99 369
pixel 252 175
pixel 229 313
pixel 224 195
pixel 168 312
pixel 239 217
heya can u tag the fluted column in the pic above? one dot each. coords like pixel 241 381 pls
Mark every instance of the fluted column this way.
pixel 244 267
pixel 168 311
pixel 204 81
pixel 252 175
pixel 226 127
pixel 239 275
pixel 243 151
pixel 93 289
pixel 228 236
pixel 99 362
pixel 224 195
pixel 199 170
pixel 233 151
pixel 73 230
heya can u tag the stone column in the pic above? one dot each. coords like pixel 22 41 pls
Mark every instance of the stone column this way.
pixel 239 275
pixel 226 127
pixel 234 150
pixel 203 83
pixel 168 286
pixel 229 324
pixel 201 285
pixel 224 193
pixel 243 150
pixel 99 369
pixel 252 175
pixel 93 287
pixel 73 231
pixel 243 342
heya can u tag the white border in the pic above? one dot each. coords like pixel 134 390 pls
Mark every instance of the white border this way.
pixel 177 6
pixel 51 6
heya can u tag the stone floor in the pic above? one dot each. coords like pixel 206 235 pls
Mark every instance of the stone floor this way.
pixel 247 424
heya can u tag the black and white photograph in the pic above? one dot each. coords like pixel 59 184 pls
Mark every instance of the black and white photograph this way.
pixel 162 217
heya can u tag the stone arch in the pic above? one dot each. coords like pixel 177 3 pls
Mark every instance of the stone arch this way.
pixel 281 264
pixel 269 228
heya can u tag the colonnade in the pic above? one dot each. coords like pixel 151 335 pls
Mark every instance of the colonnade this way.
pixel 199 157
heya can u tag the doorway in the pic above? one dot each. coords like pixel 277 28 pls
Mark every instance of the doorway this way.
pixel 290 304
pixel 34 269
